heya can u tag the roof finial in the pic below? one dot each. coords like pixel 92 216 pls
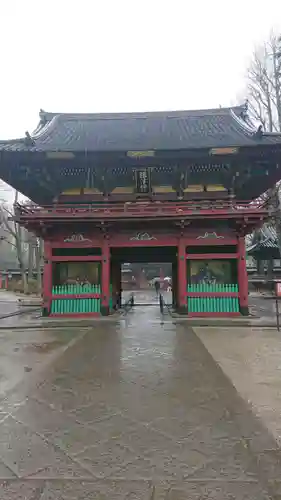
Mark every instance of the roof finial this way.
pixel 42 115
pixel 28 139
pixel 259 132
pixel 244 110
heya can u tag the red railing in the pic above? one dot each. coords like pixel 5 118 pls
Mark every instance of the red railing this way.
pixel 141 209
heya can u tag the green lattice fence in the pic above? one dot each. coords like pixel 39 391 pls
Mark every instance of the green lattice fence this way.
pixel 212 303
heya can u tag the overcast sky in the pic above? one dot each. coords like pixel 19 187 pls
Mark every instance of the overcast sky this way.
pixel 125 55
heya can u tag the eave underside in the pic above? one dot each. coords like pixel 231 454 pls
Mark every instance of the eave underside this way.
pixel 247 174
pixel 261 253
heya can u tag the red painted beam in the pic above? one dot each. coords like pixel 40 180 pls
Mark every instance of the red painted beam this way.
pixel 74 315
pixel 210 241
pixel 164 242
pixel 218 214
pixel 234 205
pixel 78 244
pixel 212 294
pixel 76 258
pixel 211 256
pixel 213 314
pixel 188 209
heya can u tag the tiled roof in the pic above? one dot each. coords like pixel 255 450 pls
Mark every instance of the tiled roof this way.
pixel 267 238
pixel 222 127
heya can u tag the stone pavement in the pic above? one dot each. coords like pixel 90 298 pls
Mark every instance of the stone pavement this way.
pixel 24 352
pixel 131 406
pixel 260 306
pixel 251 358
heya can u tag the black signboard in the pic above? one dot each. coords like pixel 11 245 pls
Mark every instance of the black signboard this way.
pixel 142 180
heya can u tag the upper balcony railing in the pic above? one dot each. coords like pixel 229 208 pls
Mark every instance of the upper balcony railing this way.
pixel 131 210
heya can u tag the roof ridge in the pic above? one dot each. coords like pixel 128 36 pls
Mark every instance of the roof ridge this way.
pixel 270 134
pixel 13 141
pixel 48 116
pixel 245 125
pixel 43 127
pixel 157 130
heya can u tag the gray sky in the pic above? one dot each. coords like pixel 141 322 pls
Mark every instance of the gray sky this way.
pixel 125 55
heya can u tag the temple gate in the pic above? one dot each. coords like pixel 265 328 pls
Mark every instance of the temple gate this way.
pixel 178 187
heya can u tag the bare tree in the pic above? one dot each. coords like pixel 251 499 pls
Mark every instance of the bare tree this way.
pixel 28 247
pixel 264 84
pixel 15 232
pixel 264 105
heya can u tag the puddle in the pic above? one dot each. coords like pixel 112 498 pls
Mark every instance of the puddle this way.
pixel 42 347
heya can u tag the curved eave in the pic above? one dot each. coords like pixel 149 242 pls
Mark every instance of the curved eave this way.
pixel 156 131
pixel 263 246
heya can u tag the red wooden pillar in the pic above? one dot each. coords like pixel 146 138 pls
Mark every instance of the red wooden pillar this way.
pixel 119 283
pixel 105 278
pixel 174 284
pixel 161 276
pixel 47 278
pixel 115 275
pixel 181 277
pixel 242 276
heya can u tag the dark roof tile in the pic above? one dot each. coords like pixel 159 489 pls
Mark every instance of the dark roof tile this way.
pixel 267 238
pixel 210 128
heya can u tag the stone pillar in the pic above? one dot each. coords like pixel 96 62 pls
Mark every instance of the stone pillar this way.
pixel 242 277
pixel 182 279
pixel 105 278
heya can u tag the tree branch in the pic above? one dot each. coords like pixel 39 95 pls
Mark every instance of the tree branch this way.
pixel 8 228
pixel 11 244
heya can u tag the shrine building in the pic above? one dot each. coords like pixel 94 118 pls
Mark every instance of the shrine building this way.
pixel 174 187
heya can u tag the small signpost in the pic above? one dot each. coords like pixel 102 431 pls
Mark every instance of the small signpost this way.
pixel 276 297
pixel 278 288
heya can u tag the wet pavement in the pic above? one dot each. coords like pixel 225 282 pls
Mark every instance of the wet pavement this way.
pixel 8 303
pixel 250 357
pixel 134 409
pixel 23 351
pixel 260 306
pixel 13 312
pixel 146 296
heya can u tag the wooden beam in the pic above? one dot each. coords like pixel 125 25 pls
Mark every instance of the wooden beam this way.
pixel 76 258
pixel 211 256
